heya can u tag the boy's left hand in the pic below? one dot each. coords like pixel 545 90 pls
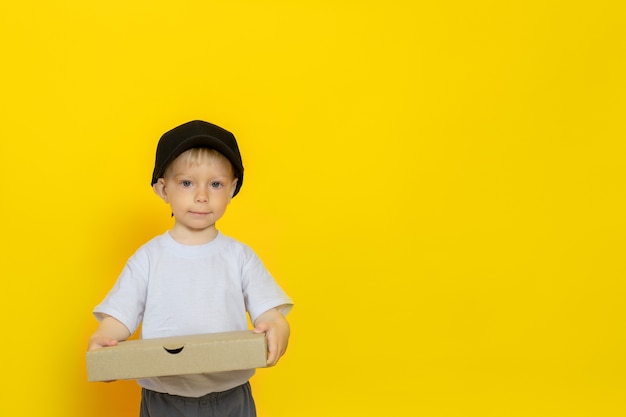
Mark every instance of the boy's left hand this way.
pixel 276 328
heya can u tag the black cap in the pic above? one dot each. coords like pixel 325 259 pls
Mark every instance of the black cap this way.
pixel 197 134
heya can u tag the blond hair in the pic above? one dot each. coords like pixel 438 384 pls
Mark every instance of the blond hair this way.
pixel 195 156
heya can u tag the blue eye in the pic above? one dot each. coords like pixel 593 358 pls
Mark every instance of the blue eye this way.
pixel 185 183
pixel 216 184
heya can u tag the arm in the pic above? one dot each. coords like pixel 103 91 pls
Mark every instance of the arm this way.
pixel 277 330
pixel 108 333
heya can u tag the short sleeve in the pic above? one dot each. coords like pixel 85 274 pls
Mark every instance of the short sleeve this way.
pixel 126 300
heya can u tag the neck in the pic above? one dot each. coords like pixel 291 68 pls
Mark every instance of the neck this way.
pixel 193 237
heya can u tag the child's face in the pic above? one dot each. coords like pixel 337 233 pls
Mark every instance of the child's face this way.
pixel 197 193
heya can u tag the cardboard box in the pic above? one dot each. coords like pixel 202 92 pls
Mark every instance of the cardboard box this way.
pixel 180 355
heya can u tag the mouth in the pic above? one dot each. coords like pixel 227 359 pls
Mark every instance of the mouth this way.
pixel 199 213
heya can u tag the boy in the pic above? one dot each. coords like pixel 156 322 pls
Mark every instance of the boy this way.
pixel 193 279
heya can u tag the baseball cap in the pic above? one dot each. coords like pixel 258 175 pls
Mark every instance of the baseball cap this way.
pixel 197 134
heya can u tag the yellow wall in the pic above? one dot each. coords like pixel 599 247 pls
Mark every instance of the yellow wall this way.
pixel 439 186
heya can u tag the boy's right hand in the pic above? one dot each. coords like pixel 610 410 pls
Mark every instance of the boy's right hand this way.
pixel 108 333
pixel 97 342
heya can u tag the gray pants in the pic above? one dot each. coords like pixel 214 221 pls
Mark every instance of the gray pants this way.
pixel 236 402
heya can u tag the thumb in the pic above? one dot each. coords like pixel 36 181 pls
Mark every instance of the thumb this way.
pixel 101 341
pixel 261 328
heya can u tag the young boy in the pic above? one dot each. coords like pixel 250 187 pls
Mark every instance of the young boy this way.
pixel 193 279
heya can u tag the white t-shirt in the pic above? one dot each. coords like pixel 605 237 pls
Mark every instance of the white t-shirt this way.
pixel 173 289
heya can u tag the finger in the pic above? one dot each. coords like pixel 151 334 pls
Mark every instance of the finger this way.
pixel 102 342
pixel 272 348
pixel 108 342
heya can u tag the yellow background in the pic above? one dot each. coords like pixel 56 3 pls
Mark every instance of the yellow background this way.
pixel 438 185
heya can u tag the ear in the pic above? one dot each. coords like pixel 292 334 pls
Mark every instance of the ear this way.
pixel 234 185
pixel 159 189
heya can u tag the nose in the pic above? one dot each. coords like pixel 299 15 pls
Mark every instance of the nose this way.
pixel 202 196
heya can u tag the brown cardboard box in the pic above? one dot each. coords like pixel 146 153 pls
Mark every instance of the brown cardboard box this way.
pixel 178 355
